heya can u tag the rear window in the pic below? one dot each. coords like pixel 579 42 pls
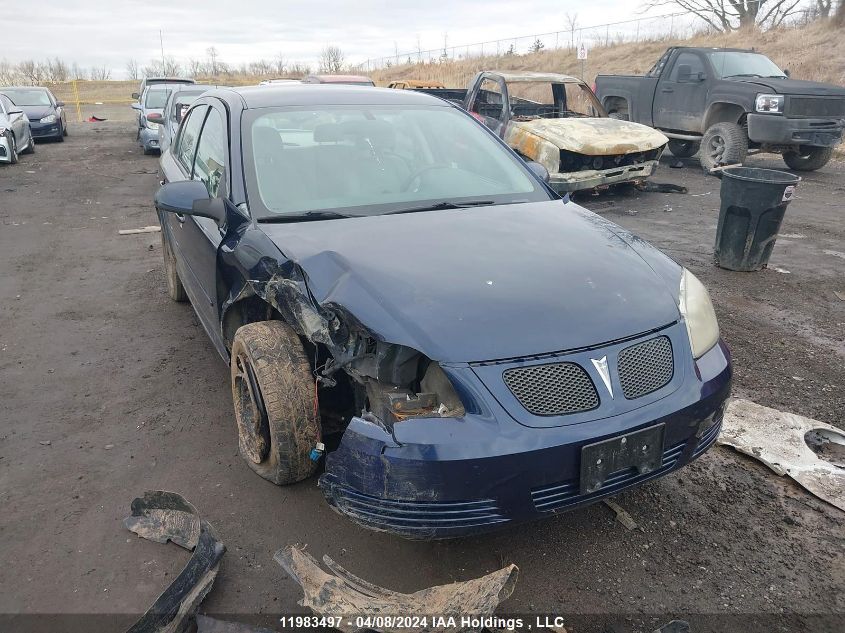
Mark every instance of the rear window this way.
pixel 156 98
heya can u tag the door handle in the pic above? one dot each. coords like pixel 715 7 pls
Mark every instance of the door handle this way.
pixel 667 90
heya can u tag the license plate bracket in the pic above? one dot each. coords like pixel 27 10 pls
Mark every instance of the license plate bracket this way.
pixel 641 450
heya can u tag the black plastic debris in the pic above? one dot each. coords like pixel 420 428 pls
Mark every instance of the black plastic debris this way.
pixel 162 516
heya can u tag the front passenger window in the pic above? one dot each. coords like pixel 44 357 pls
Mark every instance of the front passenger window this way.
pixel 210 163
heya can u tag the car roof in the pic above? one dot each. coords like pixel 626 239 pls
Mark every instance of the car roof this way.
pixel 339 78
pixel 179 80
pixel 5 88
pixel 711 49
pixel 322 94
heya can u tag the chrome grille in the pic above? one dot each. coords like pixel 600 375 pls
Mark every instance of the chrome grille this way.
pixel 646 367
pixel 555 389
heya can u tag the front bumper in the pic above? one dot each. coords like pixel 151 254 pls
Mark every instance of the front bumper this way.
pixel 774 129
pixel 149 139
pixel 443 478
pixel 591 178
pixel 46 130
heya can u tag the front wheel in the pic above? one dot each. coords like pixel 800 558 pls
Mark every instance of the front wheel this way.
pixel 723 144
pixel 683 149
pixel 175 289
pixel 275 406
pixel 13 151
pixel 808 158
pixel 30 149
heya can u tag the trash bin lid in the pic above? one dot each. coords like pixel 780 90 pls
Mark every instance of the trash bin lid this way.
pixel 758 174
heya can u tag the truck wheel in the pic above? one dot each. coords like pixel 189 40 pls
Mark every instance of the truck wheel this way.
pixel 683 149
pixel 723 144
pixel 273 393
pixel 175 289
pixel 808 158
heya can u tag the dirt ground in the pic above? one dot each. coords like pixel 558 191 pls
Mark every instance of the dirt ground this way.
pixel 110 389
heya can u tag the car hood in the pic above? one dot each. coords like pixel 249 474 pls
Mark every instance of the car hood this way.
pixel 34 113
pixel 484 283
pixel 591 136
pixel 795 86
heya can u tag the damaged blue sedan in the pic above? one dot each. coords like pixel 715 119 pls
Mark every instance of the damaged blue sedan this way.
pixel 405 305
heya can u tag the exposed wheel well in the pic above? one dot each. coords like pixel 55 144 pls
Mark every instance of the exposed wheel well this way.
pixel 615 104
pixel 248 310
pixel 724 113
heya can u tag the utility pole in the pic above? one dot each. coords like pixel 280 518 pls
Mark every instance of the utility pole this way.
pixel 163 66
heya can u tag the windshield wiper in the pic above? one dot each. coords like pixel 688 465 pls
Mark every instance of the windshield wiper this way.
pixel 437 206
pixel 305 217
pixel 743 75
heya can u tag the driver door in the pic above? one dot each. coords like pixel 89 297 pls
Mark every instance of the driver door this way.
pixel 681 98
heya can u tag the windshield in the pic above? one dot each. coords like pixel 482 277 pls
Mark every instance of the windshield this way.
pixel 28 97
pixel 156 98
pixel 743 64
pixel 181 103
pixel 546 100
pixel 369 160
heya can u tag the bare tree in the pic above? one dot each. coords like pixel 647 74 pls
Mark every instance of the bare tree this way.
pixel 730 15
pixel 57 70
pixel 572 23
pixel 839 16
pixel 280 65
pixel 8 73
pixel 212 53
pixel 77 72
pixel 298 69
pixel 132 69
pixel 821 8
pixel 168 67
pixel 100 73
pixel 331 59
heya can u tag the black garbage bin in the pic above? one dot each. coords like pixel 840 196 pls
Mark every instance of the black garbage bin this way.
pixel 753 203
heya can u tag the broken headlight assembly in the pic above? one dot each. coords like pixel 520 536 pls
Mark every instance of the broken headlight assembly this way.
pixel 697 310
pixel 769 104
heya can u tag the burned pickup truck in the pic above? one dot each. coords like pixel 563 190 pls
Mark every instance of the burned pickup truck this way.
pixel 726 103
pixel 556 120
pixel 404 302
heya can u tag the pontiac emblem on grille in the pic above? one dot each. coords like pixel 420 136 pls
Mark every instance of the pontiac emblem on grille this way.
pixel 601 366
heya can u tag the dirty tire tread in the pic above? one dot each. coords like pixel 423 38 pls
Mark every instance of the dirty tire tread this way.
pixel 13 156
pixel 283 373
pixel 818 157
pixel 30 149
pixel 683 149
pixel 736 145
pixel 175 289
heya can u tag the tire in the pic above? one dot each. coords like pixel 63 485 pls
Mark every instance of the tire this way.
pixel 175 289
pixel 30 149
pixel 683 149
pixel 808 158
pixel 273 394
pixel 13 154
pixel 64 131
pixel 723 144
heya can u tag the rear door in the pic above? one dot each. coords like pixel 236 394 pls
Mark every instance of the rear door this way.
pixel 681 96
pixel 488 104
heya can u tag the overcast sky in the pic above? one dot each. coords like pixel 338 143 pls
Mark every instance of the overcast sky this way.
pixel 109 32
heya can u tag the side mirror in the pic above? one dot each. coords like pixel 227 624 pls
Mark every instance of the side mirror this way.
pixel 684 72
pixel 538 170
pixel 135 95
pixel 60 104
pixel 155 117
pixel 786 71
pixel 190 197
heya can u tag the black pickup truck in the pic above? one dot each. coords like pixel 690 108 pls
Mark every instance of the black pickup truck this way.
pixel 726 102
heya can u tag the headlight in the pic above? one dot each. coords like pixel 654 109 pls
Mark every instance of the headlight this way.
pixel 773 104
pixel 50 118
pixel 699 316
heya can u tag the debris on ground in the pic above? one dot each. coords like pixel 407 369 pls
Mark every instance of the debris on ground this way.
pixel 631 212
pixel 782 441
pixel 340 593
pixel 839 295
pixel 697 195
pixel 144 229
pixel 659 187
pixel 45 442
pixel 163 516
pixel 675 626
pixel 783 271
pixel 95 119
pixel 621 514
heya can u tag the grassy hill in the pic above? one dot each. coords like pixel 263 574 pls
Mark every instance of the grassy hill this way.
pixel 815 51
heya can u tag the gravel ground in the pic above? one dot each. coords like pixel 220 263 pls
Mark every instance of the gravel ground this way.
pixel 109 389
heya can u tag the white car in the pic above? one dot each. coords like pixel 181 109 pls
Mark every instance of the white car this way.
pixel 15 133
